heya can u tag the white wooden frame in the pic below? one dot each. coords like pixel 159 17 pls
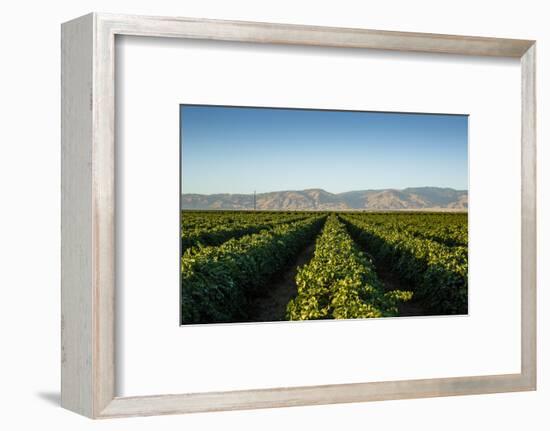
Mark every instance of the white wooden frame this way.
pixel 88 215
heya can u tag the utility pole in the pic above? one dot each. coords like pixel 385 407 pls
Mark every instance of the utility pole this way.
pixel 254 200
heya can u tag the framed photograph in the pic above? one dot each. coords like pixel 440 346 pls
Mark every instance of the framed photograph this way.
pixel 266 215
pixel 264 240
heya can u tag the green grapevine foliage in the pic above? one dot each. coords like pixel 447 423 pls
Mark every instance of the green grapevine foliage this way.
pixel 229 258
pixel 212 228
pixel 217 282
pixel 437 272
pixel 340 282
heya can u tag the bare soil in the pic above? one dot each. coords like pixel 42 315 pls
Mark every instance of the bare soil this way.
pixel 272 306
pixel 392 282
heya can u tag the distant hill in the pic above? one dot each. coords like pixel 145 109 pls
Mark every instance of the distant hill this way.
pixel 418 198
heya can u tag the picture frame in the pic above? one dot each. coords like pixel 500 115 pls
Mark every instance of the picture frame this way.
pixel 88 204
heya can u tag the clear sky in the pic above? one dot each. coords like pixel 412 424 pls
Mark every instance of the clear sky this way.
pixel 239 150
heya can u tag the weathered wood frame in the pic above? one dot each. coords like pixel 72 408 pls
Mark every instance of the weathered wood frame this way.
pixel 88 214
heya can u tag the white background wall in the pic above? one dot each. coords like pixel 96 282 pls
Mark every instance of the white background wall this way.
pixel 29 216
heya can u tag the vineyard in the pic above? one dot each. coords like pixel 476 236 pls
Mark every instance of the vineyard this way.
pixel 321 265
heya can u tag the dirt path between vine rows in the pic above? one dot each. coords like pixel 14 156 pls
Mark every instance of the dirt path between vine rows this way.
pixel 272 307
pixel 392 282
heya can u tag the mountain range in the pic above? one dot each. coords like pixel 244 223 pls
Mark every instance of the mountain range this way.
pixel 411 199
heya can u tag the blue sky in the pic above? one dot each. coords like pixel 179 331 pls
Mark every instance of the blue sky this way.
pixel 239 150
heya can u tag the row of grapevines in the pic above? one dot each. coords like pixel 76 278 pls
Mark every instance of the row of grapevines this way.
pixel 438 273
pixel 191 219
pixel 218 282
pixel 340 282
pixel 211 229
pixel 209 219
pixel 451 235
pixel 447 228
